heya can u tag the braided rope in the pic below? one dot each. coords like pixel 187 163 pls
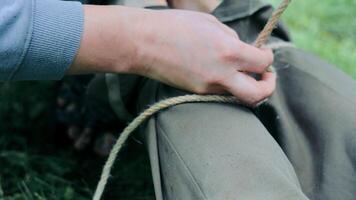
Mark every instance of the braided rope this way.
pixel 271 24
pixel 262 38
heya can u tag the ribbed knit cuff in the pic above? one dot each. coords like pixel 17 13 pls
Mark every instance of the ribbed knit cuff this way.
pixel 57 31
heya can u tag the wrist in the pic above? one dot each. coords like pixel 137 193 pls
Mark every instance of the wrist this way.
pixel 149 42
pixel 109 41
pixel 144 37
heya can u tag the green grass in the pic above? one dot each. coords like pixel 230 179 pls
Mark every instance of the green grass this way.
pixel 34 166
pixel 326 28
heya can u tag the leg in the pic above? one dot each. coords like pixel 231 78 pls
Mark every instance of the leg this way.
pixel 312 115
pixel 216 151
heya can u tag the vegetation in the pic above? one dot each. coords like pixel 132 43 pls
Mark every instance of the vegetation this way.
pixel 36 164
pixel 326 28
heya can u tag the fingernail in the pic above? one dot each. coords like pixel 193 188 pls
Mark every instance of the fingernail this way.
pixel 271 69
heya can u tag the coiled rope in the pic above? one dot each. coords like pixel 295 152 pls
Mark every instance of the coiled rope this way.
pixel 161 105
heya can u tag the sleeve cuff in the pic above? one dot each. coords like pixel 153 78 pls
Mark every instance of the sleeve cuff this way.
pixel 56 35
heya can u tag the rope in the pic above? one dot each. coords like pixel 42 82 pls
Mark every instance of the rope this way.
pixel 271 24
pixel 161 105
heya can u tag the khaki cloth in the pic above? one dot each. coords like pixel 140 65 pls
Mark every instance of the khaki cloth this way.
pixel 301 144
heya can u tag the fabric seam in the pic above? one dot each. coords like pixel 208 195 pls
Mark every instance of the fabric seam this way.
pixel 183 162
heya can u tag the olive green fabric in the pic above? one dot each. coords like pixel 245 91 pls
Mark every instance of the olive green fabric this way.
pixel 301 144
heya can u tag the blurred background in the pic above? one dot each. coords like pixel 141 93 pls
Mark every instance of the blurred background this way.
pixel 37 163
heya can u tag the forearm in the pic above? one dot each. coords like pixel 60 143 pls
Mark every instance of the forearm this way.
pixel 185 49
pixel 110 41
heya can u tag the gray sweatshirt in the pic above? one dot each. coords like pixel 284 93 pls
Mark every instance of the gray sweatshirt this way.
pixel 38 38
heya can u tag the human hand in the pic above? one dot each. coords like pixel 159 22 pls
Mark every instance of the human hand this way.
pixel 185 49
pixel 195 52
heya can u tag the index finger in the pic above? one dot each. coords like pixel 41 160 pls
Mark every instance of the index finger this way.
pixel 248 90
pixel 253 59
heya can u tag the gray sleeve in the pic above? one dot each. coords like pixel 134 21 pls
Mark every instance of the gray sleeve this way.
pixel 38 38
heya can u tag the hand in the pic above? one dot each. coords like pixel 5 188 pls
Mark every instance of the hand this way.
pixel 195 52
pixel 185 49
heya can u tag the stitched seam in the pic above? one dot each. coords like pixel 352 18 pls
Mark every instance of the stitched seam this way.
pixel 182 161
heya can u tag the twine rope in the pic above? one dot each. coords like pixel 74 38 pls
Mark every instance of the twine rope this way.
pixel 271 24
pixel 161 105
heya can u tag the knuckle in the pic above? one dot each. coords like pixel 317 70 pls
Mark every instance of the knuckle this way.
pixel 210 79
pixel 257 97
pixel 266 93
pixel 241 45
pixel 210 17
pixel 264 63
pixel 270 58
pixel 201 90
pixel 208 82
pixel 231 31
pixel 227 54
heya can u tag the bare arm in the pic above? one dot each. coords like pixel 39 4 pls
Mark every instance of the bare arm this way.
pixel 185 49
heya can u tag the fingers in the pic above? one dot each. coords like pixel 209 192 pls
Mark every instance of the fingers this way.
pixel 253 59
pixel 248 90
